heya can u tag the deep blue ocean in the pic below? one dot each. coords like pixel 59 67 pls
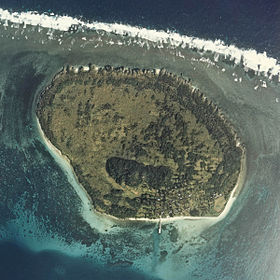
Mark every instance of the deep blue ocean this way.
pixel 19 263
pixel 245 23
pixel 251 23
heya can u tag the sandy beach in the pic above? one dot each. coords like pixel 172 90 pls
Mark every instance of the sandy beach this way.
pixel 88 211
pixel 232 198
pixel 95 219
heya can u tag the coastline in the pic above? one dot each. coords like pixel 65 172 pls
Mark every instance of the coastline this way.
pixel 87 210
pixel 238 186
pixel 42 211
pixel 88 205
pixel 59 153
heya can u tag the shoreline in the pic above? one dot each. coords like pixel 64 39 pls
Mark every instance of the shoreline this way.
pixel 89 204
pixel 238 186
pixel 87 210
pixel 57 151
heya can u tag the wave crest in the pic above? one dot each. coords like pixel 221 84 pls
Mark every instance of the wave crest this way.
pixel 249 58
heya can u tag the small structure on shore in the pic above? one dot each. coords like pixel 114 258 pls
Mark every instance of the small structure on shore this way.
pixel 143 143
pixel 159 226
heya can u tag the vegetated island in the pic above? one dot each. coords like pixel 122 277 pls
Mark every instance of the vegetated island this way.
pixel 143 143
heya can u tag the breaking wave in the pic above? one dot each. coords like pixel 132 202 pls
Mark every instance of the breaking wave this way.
pixel 249 58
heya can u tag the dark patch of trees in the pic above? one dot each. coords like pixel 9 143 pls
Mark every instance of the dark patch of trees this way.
pixel 133 173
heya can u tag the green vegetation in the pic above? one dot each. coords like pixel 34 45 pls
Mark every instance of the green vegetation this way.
pixel 142 144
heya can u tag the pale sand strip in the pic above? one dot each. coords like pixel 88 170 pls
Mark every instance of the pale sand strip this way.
pixel 232 198
pixel 96 219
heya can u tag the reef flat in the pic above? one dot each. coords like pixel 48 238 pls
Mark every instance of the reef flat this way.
pixel 143 143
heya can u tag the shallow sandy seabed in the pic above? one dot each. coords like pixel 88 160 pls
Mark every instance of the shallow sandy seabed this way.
pixel 201 249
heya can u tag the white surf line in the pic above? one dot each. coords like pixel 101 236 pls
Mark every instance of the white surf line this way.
pixel 250 58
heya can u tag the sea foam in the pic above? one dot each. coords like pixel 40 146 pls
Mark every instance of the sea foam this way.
pixel 250 58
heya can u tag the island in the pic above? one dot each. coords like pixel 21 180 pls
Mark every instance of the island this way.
pixel 142 143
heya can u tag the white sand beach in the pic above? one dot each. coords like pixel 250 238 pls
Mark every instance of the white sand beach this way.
pixel 94 219
pixel 104 222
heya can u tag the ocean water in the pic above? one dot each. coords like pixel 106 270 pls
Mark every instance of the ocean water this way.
pixel 252 23
pixel 46 228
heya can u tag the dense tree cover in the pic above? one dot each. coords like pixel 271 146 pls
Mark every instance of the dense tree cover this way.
pixel 133 173
pixel 171 154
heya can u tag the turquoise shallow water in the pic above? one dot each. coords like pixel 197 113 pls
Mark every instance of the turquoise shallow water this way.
pixel 40 209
